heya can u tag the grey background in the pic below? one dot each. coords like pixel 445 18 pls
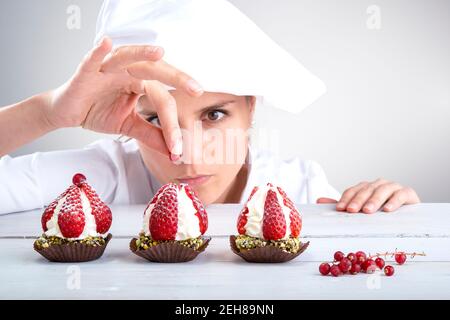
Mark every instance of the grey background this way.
pixel 386 112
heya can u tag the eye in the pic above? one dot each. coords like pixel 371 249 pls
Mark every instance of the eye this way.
pixel 154 120
pixel 215 115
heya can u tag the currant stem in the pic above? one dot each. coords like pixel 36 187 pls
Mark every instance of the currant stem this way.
pixel 392 254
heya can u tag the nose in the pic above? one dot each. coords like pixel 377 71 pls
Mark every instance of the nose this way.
pixel 192 143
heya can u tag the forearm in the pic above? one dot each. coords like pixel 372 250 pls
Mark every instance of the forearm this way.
pixel 24 122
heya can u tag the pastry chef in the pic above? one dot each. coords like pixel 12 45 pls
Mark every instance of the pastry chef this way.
pixel 173 79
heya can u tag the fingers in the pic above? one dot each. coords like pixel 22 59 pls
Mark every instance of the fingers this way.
pixel 348 195
pixel 370 197
pixel 92 62
pixel 124 56
pixel 326 200
pixel 167 74
pixel 166 108
pixel 138 128
pixel 357 193
pixel 360 198
pixel 381 194
pixel 400 197
pixel 363 194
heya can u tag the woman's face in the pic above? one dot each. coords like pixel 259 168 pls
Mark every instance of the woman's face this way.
pixel 215 141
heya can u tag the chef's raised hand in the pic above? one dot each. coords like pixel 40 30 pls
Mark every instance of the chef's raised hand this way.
pixel 369 197
pixel 102 96
pixel 103 93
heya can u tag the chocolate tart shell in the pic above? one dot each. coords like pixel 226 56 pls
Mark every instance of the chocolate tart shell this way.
pixel 169 252
pixel 72 252
pixel 268 254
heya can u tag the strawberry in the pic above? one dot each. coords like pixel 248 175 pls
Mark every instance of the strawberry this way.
pixel 198 205
pixel 71 219
pixel 158 193
pixel 164 217
pixel 48 213
pixel 274 223
pixel 287 201
pixel 242 219
pixel 100 211
pixel 155 197
pixel 296 223
pixel 294 216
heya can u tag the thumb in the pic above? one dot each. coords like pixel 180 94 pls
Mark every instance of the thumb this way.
pixel 326 200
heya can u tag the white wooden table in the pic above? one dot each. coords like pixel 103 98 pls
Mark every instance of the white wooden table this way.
pixel 219 274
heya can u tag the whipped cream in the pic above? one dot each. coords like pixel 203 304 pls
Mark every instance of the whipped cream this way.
pixel 188 222
pixel 255 214
pixel 90 227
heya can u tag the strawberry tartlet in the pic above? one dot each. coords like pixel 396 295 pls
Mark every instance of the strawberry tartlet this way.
pixel 269 227
pixel 75 225
pixel 175 221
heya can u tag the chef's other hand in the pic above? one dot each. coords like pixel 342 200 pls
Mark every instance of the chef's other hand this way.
pixel 368 197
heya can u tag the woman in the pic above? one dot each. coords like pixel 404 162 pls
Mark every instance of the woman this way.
pixel 133 91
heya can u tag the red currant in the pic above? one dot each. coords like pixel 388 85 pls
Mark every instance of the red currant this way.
pixel 379 262
pixel 356 268
pixel 338 255
pixel 345 265
pixel 335 271
pixel 369 266
pixel 324 268
pixel 360 256
pixel 389 270
pixel 400 257
pixel 352 257
pixel 78 179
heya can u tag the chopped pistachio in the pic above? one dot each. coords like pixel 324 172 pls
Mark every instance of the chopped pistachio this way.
pixel 291 245
pixel 144 242
pixel 45 241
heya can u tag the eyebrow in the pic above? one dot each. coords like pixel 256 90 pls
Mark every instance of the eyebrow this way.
pixel 216 105
pixel 221 103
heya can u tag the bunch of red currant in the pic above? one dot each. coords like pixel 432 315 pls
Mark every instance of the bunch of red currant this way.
pixel 355 263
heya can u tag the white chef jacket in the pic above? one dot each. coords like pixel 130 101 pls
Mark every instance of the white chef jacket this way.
pixel 117 172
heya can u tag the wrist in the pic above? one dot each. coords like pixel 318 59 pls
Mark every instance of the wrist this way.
pixel 23 122
pixel 43 103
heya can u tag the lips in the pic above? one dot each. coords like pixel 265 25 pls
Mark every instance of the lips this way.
pixel 194 180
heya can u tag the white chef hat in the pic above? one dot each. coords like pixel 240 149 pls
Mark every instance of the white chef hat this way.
pixel 216 44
